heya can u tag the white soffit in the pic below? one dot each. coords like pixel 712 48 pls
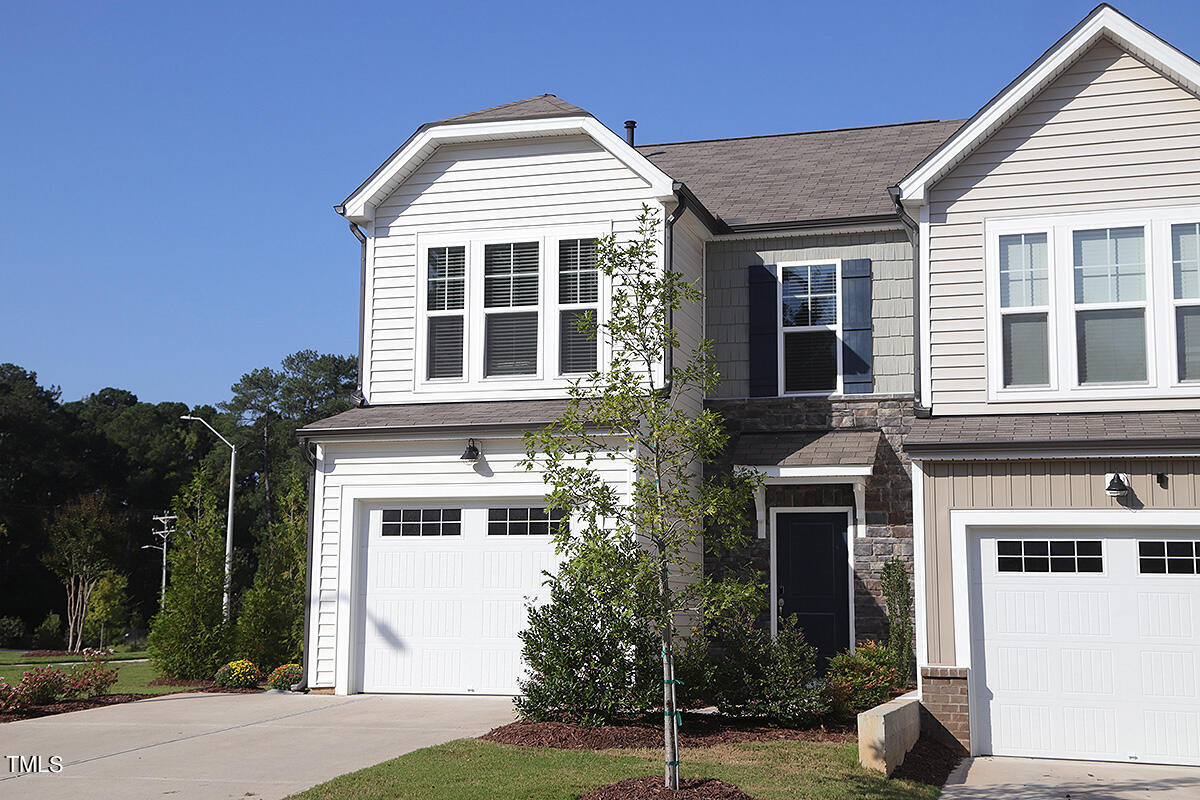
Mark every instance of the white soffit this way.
pixel 1104 22
pixel 360 206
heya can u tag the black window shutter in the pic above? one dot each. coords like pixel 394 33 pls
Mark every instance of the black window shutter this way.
pixel 857 373
pixel 764 331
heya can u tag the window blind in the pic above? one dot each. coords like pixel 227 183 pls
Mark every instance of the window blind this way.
pixel 511 344
pixel 577 341
pixel 810 361
pixel 578 276
pixel 1112 345
pixel 445 351
pixel 447 278
pixel 510 275
pixel 1026 350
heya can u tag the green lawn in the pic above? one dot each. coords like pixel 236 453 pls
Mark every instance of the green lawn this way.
pixel 470 768
pixel 18 657
pixel 132 678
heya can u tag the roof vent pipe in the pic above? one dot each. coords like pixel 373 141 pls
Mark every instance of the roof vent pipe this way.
pixel 630 124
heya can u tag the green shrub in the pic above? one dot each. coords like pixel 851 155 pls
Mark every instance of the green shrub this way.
pixel 48 635
pixel 241 674
pixel 593 653
pixel 771 678
pixel 12 631
pixel 285 677
pixel 898 595
pixel 42 685
pixel 863 679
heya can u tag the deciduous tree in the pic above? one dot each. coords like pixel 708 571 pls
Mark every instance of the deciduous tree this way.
pixel 84 536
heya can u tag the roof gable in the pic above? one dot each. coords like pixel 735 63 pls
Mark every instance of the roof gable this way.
pixel 533 118
pixel 1103 22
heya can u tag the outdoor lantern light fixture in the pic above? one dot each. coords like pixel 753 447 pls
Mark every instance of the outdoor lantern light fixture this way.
pixel 1116 484
pixel 472 452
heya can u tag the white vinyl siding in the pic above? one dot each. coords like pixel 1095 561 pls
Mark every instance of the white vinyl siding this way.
pixel 565 183
pixel 1109 133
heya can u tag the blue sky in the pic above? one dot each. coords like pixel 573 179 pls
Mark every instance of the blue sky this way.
pixel 168 171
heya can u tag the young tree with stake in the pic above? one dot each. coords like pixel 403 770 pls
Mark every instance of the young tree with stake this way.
pixel 647 411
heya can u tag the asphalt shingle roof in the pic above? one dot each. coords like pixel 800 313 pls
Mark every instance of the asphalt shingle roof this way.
pixel 814 449
pixel 800 177
pixel 1129 429
pixel 544 105
pixel 439 415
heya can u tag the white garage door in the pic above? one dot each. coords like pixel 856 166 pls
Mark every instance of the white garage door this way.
pixel 1087 645
pixel 445 595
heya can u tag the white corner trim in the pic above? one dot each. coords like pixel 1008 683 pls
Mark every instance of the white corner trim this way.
pixel 920 595
pixel 1104 21
pixel 965 523
pixel 359 207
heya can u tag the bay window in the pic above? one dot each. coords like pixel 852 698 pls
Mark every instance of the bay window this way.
pixel 1096 305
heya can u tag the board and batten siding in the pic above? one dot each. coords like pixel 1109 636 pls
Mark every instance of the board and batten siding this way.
pixel 429 470
pixel 532 183
pixel 1029 484
pixel 1109 133
pixel 728 309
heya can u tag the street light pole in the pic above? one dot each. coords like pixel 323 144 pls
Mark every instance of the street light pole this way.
pixel 229 519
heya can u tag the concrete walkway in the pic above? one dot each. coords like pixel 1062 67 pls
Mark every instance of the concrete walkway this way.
pixel 989 778
pixel 266 746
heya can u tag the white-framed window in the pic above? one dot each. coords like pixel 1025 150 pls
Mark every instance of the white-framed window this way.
pixel 578 305
pixel 810 327
pixel 499 308
pixel 1094 306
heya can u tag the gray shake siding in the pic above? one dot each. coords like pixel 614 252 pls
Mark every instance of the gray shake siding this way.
pixel 891 299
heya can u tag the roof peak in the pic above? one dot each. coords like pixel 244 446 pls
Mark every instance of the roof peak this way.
pixel 538 106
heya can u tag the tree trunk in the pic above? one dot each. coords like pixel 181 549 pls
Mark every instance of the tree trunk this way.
pixel 670 717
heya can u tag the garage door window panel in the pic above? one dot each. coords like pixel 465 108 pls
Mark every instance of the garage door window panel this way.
pixel 1169 557
pixel 422 522
pixel 524 521
pixel 1045 555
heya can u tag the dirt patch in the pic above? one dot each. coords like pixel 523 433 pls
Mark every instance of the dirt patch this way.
pixel 929 762
pixel 689 789
pixel 698 730
pixel 63 706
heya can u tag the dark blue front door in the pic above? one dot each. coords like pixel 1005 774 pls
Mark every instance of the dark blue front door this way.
pixel 812 577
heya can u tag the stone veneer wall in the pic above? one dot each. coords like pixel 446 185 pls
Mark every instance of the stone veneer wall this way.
pixel 889 488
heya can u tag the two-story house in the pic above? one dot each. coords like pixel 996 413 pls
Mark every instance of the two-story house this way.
pixel 477 257
pixel 1011 301
pixel 1055 457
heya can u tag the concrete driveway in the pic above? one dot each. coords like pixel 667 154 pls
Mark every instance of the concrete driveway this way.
pixel 186 746
pixel 988 778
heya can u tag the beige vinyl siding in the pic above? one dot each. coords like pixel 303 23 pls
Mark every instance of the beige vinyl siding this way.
pixel 423 467
pixel 1108 133
pixel 1033 484
pixel 891 300
pixel 532 183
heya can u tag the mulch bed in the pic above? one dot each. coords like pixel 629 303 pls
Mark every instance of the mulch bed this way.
pixel 54 653
pixel 689 789
pixel 929 762
pixel 698 730
pixel 63 706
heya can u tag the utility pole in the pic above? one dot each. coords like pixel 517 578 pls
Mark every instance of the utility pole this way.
pixel 168 523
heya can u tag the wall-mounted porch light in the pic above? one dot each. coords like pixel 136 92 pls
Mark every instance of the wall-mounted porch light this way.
pixel 472 452
pixel 1116 484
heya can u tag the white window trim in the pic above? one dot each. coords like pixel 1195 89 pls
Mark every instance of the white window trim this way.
pixel 548 358
pixel 1161 359
pixel 780 331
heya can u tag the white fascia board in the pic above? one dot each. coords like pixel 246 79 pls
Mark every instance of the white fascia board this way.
pixel 1104 21
pixel 828 473
pixel 360 206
